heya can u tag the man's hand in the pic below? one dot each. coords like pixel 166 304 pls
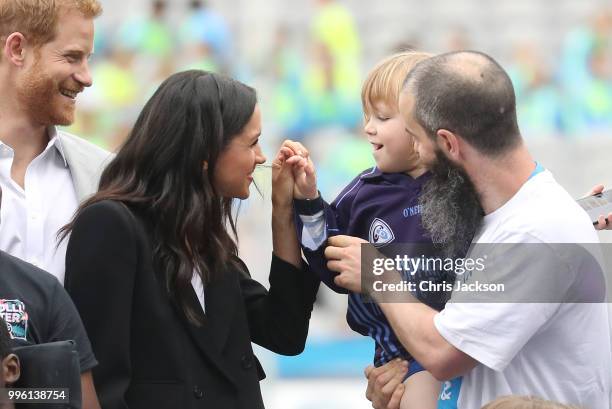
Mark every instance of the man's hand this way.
pixel 601 220
pixel 385 384
pixel 344 256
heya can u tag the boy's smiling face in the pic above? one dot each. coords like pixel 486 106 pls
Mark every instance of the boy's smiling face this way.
pixel 393 147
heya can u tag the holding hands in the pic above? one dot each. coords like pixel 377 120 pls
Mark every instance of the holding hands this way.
pixel 293 177
pixel 293 174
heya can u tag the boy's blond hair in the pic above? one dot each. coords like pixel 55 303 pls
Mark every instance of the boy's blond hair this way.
pixel 525 402
pixel 37 19
pixel 384 83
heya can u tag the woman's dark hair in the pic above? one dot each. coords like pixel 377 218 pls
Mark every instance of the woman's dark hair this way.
pixel 160 172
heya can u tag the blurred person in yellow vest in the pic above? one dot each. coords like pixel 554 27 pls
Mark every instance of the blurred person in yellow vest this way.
pixel 337 51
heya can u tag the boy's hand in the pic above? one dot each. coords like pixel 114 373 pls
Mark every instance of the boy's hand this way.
pixel 601 220
pixel 304 175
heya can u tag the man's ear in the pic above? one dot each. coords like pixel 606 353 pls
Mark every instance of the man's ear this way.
pixel 15 49
pixel 449 143
pixel 11 370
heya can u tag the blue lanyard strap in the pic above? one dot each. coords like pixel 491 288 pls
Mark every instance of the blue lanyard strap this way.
pixel 538 169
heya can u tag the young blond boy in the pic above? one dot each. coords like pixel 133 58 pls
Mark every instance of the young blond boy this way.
pixel 380 205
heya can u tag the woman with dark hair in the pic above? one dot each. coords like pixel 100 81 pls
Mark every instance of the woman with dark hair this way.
pixel 153 268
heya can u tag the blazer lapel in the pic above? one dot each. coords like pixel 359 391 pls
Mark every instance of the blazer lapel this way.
pixel 221 304
pixel 210 337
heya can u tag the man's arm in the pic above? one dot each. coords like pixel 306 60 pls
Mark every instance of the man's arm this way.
pixel 88 390
pixel 412 322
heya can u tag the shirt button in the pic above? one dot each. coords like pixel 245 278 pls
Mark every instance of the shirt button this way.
pixel 246 362
pixel 197 392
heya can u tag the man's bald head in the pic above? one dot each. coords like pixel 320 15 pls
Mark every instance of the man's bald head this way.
pixel 469 94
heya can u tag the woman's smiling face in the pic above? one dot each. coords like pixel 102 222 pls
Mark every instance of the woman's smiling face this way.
pixel 236 163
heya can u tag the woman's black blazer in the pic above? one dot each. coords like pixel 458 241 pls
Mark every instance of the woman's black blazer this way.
pixel 150 356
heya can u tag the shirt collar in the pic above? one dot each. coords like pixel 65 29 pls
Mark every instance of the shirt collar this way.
pixel 54 140
pixel 372 174
pixel 395 178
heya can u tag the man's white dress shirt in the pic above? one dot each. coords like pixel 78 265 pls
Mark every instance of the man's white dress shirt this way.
pixel 30 217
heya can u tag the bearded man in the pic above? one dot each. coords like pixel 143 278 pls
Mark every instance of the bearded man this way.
pixel 486 188
pixel 44 172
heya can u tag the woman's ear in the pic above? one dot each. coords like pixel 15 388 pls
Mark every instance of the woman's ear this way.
pixel 11 370
pixel 205 165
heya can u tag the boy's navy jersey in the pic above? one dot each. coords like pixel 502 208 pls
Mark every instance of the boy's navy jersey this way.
pixel 381 208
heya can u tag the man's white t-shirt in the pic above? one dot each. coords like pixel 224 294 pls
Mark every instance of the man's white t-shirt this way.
pixel 557 351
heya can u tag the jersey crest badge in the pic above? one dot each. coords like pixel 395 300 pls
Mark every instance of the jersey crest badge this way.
pixel 380 233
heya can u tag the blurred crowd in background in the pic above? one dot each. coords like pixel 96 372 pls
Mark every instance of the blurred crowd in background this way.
pixel 308 71
pixel 310 81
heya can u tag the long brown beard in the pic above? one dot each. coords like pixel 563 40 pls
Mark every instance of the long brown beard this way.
pixel 39 95
pixel 451 210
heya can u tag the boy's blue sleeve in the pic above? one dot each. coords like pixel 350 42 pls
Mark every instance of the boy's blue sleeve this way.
pixel 331 220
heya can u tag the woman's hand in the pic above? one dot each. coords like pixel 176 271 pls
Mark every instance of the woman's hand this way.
pixel 282 178
pixel 293 165
pixel 284 168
